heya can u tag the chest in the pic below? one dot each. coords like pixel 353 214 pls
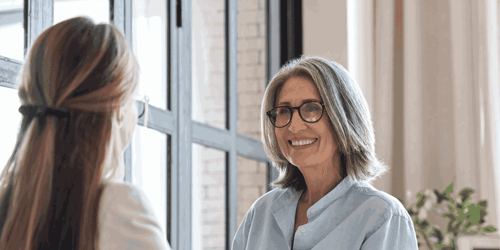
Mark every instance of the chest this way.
pixel 300 216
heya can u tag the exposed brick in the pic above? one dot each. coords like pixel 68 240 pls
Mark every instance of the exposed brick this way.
pixel 253 179
pixel 247 85
pixel 216 192
pixel 249 100
pixel 216 166
pixel 214 242
pixel 248 5
pixel 214 179
pixel 213 205
pixel 249 126
pixel 245 17
pixel 246 166
pixel 262 5
pixel 214 215
pixel 248 114
pixel 249 30
pixel 248 193
pixel 215 229
pixel 251 86
pixel 262 168
pixel 250 57
pixel 251 44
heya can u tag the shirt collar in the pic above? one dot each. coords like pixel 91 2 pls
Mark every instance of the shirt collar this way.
pixel 283 210
pixel 340 190
pixel 285 206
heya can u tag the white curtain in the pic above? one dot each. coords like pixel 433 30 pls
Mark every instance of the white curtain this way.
pixel 430 72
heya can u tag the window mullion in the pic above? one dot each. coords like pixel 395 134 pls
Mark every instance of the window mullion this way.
pixel 273 59
pixel 117 13
pixel 39 15
pixel 232 104
pixel 184 135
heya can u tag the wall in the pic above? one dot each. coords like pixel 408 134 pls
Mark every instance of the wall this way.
pixel 209 172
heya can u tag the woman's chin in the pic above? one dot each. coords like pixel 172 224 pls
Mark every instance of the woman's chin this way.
pixel 304 163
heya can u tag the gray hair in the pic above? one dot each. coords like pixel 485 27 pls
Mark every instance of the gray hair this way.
pixel 348 112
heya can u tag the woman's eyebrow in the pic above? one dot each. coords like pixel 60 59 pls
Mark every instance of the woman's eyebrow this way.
pixel 303 101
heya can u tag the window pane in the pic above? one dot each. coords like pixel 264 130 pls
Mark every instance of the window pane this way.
pixel 11 27
pixel 252 177
pixel 10 123
pixel 149 168
pixel 209 198
pixel 208 46
pixel 251 65
pixel 149 29
pixel 98 10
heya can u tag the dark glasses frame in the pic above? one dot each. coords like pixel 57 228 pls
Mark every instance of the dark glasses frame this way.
pixel 268 113
pixel 145 102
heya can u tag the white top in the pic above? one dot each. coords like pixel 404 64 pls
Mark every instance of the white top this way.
pixel 354 215
pixel 127 220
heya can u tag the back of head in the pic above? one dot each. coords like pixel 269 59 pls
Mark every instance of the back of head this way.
pixel 51 185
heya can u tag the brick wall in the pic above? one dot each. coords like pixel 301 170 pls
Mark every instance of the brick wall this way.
pixel 208 107
pixel 251 87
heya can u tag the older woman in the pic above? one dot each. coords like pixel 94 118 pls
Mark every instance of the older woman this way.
pixel 62 187
pixel 317 131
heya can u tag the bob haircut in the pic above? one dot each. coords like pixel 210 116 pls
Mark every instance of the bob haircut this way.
pixel 347 110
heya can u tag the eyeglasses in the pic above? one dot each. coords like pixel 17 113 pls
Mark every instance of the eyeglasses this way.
pixel 310 112
pixel 144 106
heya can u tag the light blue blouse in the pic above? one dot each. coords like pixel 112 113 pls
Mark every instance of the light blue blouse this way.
pixel 354 215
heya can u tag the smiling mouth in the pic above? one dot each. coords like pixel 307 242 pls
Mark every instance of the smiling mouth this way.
pixel 302 142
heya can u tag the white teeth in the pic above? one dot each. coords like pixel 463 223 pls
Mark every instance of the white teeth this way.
pixel 314 119
pixel 301 143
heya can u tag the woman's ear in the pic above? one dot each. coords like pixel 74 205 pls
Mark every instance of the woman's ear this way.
pixel 120 116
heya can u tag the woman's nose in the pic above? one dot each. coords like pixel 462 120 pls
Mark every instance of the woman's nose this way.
pixel 296 124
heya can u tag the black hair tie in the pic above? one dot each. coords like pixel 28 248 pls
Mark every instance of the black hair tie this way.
pixel 43 110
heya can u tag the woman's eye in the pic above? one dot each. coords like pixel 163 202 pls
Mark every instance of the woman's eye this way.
pixel 312 108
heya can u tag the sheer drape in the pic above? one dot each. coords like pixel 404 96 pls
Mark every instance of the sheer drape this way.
pixel 429 70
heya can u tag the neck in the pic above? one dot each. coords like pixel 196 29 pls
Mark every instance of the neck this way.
pixel 320 180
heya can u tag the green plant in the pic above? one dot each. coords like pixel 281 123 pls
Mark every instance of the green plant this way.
pixel 463 216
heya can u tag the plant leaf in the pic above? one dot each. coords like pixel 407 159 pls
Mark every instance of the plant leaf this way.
pixel 424 224
pixel 483 203
pixel 454 227
pixel 449 215
pixel 421 200
pixel 411 212
pixel 449 188
pixel 437 233
pixel 489 229
pixel 440 197
pixel 465 194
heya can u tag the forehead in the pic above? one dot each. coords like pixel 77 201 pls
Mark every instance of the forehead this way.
pixel 296 89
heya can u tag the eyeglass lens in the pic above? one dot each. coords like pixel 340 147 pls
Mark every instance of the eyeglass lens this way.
pixel 309 112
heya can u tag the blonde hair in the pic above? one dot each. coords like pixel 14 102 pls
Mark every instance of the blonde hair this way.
pixel 348 112
pixel 52 183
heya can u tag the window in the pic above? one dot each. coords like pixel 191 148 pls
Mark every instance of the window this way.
pixel 204 66
pixel 98 10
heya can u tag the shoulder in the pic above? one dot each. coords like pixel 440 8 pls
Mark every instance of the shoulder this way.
pixel 378 201
pixel 265 201
pixel 127 219
pixel 262 207
pixel 116 193
pixel 258 217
